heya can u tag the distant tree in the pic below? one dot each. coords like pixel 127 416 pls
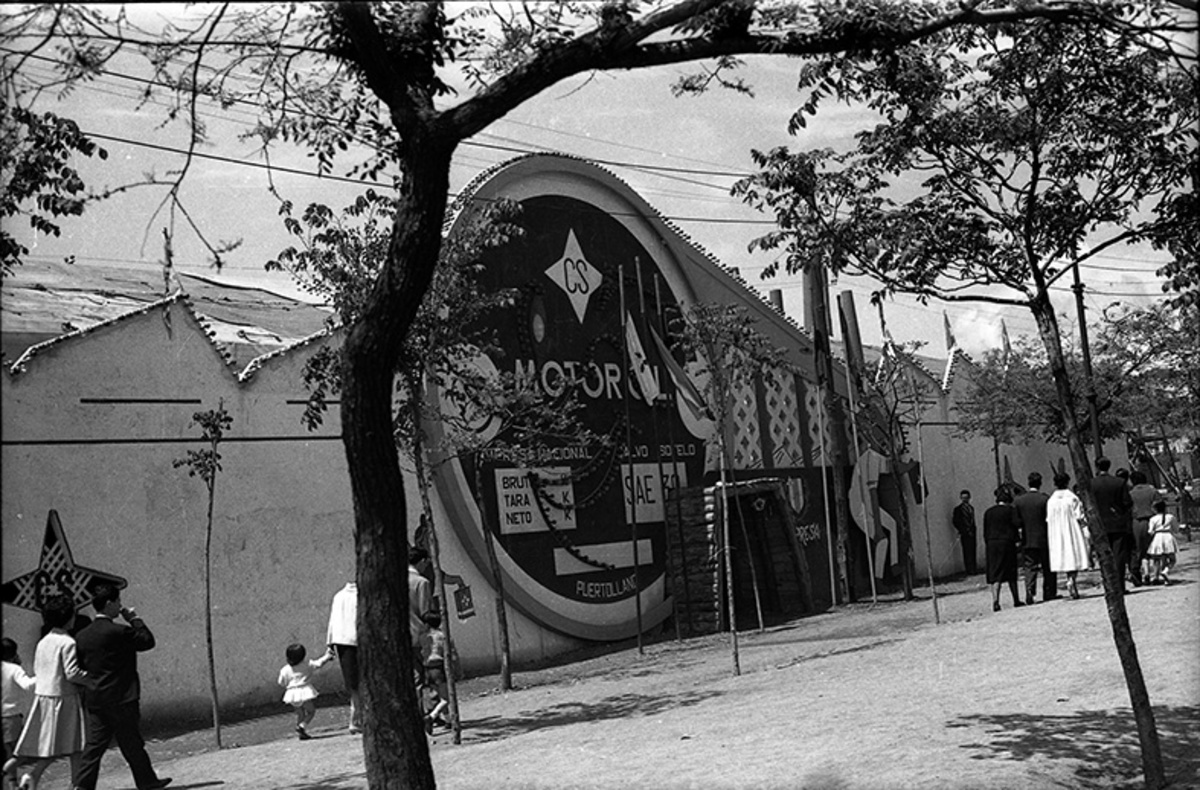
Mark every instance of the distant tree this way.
pixel 1155 380
pixel 206 464
pixel 1027 150
pixel 1142 373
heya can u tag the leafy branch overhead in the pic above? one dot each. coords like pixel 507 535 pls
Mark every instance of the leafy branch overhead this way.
pixel 40 181
pixel 1003 156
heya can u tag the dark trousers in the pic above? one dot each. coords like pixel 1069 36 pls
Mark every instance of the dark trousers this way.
pixel 1122 547
pixel 1141 541
pixel 1037 559
pixel 968 547
pixel 122 722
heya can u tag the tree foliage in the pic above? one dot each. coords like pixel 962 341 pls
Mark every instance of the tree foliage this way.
pixel 1141 371
pixel 1004 156
pixel 40 181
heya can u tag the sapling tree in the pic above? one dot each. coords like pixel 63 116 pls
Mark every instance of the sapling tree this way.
pixel 732 353
pixel 206 464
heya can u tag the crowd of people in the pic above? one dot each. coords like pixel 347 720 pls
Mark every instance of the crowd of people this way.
pixel 84 690
pixel 1047 534
pixel 427 643
pixel 86 694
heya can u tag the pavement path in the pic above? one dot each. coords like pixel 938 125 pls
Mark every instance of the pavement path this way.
pixel 866 696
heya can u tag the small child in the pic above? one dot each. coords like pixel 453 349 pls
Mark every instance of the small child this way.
pixel 434 690
pixel 16 685
pixel 1162 542
pixel 301 694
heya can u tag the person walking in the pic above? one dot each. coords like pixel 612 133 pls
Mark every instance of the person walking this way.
pixel 1001 536
pixel 17 684
pixel 1029 512
pixel 342 637
pixel 1162 542
pixel 963 519
pixel 434 689
pixel 54 726
pixel 1115 508
pixel 1065 532
pixel 420 600
pixel 1143 496
pixel 296 678
pixel 108 651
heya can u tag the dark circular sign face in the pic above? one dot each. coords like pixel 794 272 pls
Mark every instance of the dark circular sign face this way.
pixel 579 525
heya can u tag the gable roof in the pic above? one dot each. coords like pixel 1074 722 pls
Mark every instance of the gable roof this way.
pixel 45 300
pixel 20 365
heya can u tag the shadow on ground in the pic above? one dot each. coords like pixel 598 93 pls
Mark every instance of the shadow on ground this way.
pixel 494 728
pixel 345 781
pixel 1103 743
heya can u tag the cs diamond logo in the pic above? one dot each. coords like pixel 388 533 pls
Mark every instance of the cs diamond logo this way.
pixel 578 278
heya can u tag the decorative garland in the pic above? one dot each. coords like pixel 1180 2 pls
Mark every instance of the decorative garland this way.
pixel 560 537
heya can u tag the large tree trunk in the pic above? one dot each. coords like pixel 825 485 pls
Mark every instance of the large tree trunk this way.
pixel 394 744
pixel 1114 582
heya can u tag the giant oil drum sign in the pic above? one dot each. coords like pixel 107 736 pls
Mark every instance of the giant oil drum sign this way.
pixel 564 514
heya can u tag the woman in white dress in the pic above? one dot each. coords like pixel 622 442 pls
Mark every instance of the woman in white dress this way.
pixel 1162 542
pixel 54 726
pixel 1066 532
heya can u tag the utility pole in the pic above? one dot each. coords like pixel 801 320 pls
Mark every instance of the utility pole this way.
pixel 1089 381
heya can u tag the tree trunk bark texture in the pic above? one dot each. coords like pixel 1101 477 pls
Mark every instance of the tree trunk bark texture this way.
pixel 1114 582
pixel 395 747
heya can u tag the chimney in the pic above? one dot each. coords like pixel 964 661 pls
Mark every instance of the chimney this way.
pixel 776 297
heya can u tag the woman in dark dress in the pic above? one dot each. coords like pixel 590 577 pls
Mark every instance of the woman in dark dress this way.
pixel 1002 537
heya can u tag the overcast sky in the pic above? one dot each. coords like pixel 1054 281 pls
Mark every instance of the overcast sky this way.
pixel 621 120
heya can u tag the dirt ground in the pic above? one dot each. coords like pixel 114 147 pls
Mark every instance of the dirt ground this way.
pixel 867 696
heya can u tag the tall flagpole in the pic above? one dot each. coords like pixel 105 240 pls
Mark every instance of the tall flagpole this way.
pixel 847 315
pixel 660 319
pixel 662 488
pixel 825 500
pixel 637 587
pixel 890 347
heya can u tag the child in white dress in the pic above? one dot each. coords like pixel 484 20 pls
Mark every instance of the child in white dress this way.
pixel 17 684
pixel 301 694
pixel 1162 542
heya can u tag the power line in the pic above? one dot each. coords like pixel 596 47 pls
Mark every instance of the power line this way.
pixel 473 143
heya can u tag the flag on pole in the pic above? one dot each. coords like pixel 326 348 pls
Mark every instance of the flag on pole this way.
pixel 685 390
pixel 1007 344
pixel 951 343
pixel 639 364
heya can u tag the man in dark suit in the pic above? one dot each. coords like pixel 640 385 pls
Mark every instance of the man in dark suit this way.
pixel 1029 513
pixel 108 652
pixel 963 519
pixel 1116 511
